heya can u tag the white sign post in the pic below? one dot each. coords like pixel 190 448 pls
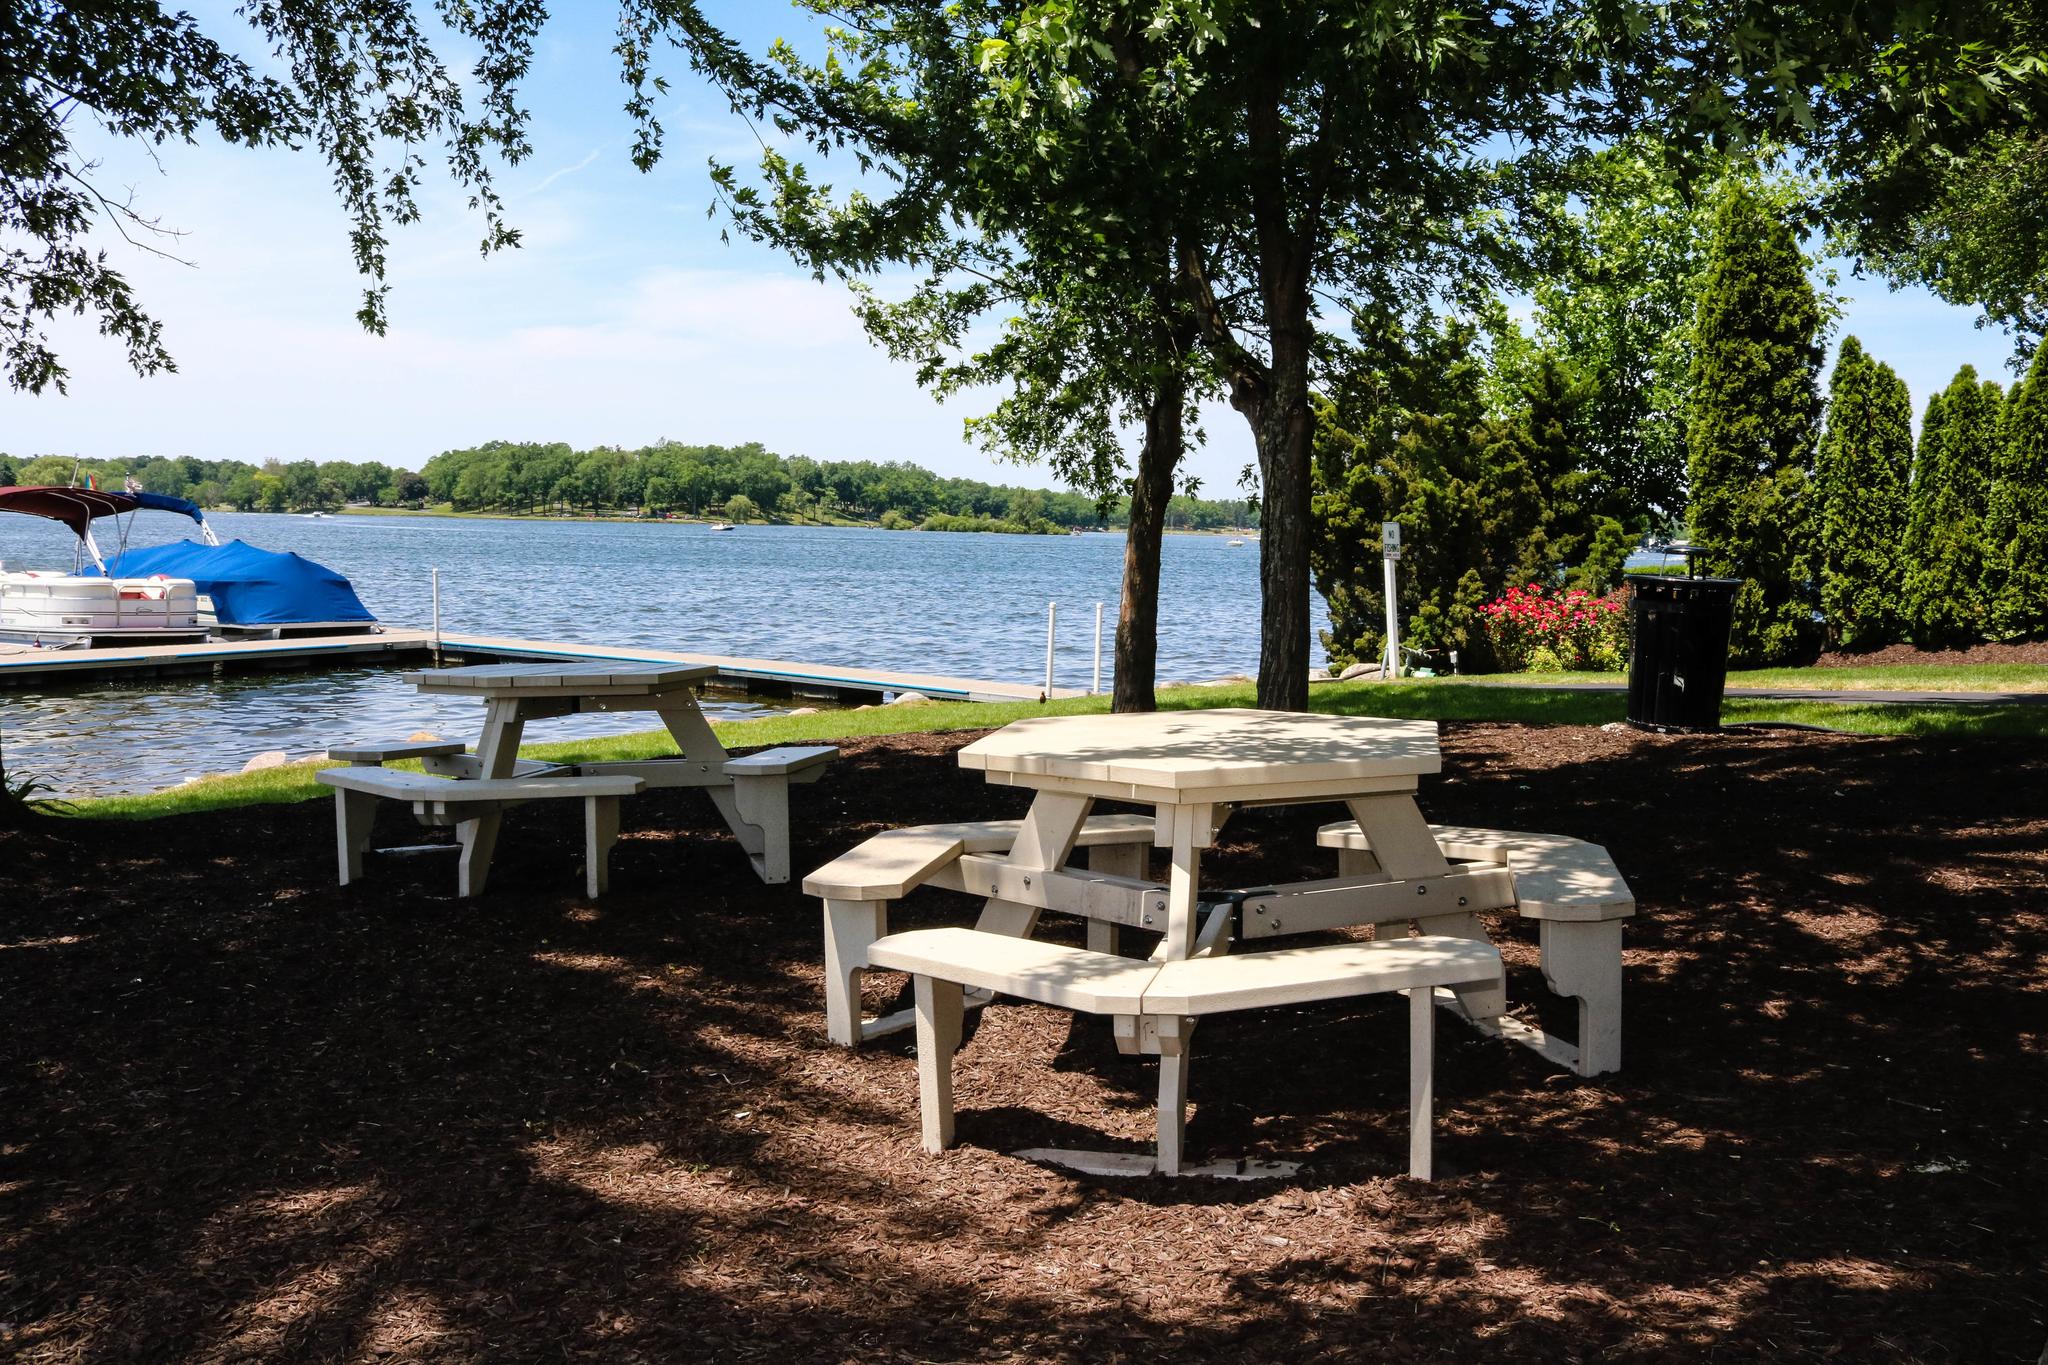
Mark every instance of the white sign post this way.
pixel 1390 549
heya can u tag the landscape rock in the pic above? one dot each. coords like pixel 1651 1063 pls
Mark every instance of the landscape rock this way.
pixel 1319 675
pixel 803 711
pixel 908 699
pixel 269 758
pixel 1357 671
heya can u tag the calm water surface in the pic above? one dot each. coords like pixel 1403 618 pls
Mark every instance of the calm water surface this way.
pixel 969 605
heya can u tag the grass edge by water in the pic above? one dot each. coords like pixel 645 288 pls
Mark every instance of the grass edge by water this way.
pixel 1419 700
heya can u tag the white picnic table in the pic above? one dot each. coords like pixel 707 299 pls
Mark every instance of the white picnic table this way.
pixel 751 793
pixel 1193 770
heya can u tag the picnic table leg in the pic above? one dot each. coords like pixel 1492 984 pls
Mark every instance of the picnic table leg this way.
pixel 1193 828
pixel 850 926
pixel 697 744
pixel 600 832
pixel 763 804
pixel 497 751
pixel 1402 847
pixel 1421 1080
pixel 1044 843
pixel 1116 860
pixel 1173 1103
pixel 1487 1001
pixel 479 840
pixel 354 814
pixel 939 1008
pixel 1582 959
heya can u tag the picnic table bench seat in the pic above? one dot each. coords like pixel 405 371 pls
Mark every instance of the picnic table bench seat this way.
pixel 1579 900
pixel 944 962
pixel 441 757
pixel 377 755
pixel 463 802
pixel 857 886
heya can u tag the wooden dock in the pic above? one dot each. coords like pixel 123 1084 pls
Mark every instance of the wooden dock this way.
pixel 24 666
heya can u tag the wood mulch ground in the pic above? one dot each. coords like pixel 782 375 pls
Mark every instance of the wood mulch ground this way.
pixel 245 1115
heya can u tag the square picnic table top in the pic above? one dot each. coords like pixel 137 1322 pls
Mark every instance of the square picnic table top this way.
pixel 484 679
pixel 1203 753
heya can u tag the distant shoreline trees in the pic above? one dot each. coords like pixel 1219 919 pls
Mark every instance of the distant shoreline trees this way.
pixel 668 478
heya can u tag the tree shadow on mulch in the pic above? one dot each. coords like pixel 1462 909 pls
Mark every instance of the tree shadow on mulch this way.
pixel 245 1114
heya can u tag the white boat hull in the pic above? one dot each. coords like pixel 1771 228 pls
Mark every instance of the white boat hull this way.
pixel 64 604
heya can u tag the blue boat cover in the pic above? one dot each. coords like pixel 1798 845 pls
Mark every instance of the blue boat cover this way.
pixel 249 587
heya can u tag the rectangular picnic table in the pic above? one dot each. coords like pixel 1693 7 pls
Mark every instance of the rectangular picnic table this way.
pixel 751 793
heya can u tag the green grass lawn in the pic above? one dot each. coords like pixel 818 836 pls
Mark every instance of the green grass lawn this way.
pixel 1873 677
pixel 1422 699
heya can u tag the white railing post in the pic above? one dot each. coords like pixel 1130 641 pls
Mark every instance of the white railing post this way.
pixel 1096 688
pixel 437 618
pixel 1052 612
pixel 1390 551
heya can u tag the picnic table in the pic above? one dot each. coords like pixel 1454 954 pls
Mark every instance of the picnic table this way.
pixel 1193 770
pixel 751 792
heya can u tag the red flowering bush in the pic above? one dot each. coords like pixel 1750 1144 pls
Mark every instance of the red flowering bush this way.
pixel 1534 631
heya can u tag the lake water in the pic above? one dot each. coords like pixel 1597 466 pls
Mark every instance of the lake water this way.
pixel 971 605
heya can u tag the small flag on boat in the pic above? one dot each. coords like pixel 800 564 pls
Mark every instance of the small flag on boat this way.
pixel 89 482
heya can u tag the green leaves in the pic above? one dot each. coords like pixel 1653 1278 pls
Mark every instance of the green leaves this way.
pixel 1753 419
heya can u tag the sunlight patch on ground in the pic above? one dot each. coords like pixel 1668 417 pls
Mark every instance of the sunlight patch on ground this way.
pixel 258 1327
pixel 59 941
pixel 637 1176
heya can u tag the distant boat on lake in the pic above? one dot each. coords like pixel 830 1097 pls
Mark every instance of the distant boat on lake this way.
pixel 721 526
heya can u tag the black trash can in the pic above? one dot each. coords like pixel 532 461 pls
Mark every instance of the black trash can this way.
pixel 1679 661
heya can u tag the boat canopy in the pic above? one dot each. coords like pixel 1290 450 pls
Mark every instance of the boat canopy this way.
pixel 164 502
pixel 75 507
pixel 249 587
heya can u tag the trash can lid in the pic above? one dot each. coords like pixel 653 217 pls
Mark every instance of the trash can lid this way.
pixel 1676 585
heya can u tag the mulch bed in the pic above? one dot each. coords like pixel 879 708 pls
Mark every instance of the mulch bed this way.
pixel 2023 652
pixel 246 1115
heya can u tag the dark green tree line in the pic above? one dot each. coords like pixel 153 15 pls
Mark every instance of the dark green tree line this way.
pixel 1948 587
pixel 1861 474
pixel 2019 509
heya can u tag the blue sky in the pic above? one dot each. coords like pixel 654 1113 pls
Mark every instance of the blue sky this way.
pixel 623 319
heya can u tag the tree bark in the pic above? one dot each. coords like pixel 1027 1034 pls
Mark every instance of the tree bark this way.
pixel 1137 625
pixel 1284 429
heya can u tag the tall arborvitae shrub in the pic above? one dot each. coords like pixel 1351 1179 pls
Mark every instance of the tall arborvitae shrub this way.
pixel 1859 499
pixel 1752 420
pixel 2019 509
pixel 1948 593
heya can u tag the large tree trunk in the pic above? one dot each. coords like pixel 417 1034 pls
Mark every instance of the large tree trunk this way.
pixel 1284 433
pixel 1137 625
